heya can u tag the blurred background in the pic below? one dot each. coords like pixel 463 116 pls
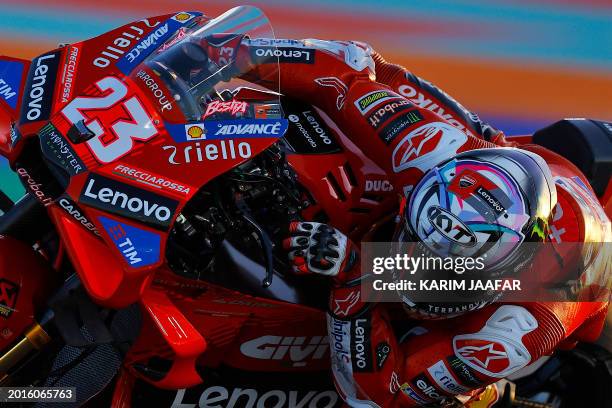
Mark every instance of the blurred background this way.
pixel 520 64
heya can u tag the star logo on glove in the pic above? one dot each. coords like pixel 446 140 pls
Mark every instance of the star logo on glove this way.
pixel 344 306
pixel 416 143
pixel 489 355
pixel 435 141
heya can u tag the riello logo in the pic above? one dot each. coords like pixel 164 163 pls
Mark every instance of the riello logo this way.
pixel 127 201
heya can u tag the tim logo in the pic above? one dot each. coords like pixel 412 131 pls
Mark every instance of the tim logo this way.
pixel 116 232
pixel 8 297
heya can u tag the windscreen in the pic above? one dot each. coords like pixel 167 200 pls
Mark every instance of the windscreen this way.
pixel 206 62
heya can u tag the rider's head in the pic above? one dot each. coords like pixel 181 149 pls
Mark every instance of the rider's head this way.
pixel 480 204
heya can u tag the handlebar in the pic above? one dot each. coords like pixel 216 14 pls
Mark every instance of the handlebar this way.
pixel 26 221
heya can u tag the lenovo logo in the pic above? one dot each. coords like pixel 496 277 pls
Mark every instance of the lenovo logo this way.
pixel 362 353
pixel 221 397
pixel 39 88
pixel 127 201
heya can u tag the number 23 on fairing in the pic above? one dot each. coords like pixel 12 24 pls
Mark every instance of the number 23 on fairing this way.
pixel 140 127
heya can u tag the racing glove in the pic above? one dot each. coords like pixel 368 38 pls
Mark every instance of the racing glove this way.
pixel 319 248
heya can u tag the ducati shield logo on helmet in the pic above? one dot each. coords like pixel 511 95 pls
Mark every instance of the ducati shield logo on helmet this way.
pixel 466 181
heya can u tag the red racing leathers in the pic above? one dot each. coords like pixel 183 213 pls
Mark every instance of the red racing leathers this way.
pixel 377 105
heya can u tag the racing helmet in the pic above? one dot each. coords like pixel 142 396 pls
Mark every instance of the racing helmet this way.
pixel 480 204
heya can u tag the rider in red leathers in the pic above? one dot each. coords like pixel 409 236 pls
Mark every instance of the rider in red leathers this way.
pixel 452 170
pixel 461 184
pixel 380 105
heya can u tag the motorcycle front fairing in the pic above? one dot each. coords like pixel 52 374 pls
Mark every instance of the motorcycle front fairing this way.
pixel 121 131
pixel 230 123
pixel 139 131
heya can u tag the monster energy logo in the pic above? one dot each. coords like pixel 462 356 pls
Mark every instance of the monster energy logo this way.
pixel 396 126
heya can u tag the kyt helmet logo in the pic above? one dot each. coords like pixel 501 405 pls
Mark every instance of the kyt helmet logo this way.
pixel 450 226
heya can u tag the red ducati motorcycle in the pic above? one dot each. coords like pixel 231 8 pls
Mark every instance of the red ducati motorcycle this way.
pixel 143 265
